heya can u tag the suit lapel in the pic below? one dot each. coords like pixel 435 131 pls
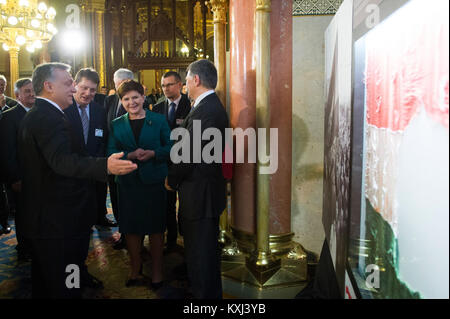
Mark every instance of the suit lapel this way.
pixel 128 135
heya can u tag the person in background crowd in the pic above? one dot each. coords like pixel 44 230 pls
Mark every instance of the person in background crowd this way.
pixel 9 127
pixel 175 108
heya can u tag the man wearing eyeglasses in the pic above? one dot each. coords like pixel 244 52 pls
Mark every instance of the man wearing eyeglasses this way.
pixel 175 107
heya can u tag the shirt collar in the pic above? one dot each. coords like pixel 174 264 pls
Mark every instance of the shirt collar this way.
pixel 24 107
pixel 202 96
pixel 78 106
pixel 52 103
pixel 177 101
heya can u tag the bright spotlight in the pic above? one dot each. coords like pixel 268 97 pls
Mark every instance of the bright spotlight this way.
pixel 73 40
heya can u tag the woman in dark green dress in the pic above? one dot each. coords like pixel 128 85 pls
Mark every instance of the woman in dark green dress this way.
pixel 144 137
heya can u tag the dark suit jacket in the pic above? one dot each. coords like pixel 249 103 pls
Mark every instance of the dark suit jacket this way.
pixel 56 170
pixel 111 103
pixel 155 135
pixel 151 99
pixel 183 109
pixel 201 186
pixel 9 127
pixel 99 98
pixel 97 137
pixel 10 102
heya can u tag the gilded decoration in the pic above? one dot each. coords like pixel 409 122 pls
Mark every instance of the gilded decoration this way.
pixel 263 5
pixel 219 8
pixel 315 7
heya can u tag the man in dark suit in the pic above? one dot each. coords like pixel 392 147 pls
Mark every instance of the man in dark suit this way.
pixel 152 97
pixel 201 185
pixel 99 98
pixel 89 121
pixel 6 198
pixel 5 101
pixel 56 171
pixel 175 108
pixel 9 127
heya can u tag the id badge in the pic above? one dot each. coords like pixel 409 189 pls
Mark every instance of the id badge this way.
pixel 98 132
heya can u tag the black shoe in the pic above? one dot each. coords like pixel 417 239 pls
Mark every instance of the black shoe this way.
pixel 91 281
pixel 156 285
pixel 23 255
pixel 120 244
pixel 6 229
pixel 105 222
pixel 138 281
pixel 171 248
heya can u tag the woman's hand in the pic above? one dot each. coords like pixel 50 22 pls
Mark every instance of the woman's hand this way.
pixel 146 155
pixel 136 154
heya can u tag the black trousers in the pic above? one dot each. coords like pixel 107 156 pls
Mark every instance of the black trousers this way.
pixel 4 206
pixel 113 195
pixel 171 218
pixel 23 243
pixel 101 190
pixel 202 254
pixel 50 259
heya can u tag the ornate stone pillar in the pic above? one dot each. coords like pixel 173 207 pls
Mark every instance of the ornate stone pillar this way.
pixel 261 262
pixel 261 81
pixel 97 9
pixel 13 68
pixel 219 9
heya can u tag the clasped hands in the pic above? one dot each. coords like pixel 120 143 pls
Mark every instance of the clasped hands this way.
pixel 141 155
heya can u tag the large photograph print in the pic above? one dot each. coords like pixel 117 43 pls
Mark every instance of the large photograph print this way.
pixel 336 194
pixel 402 81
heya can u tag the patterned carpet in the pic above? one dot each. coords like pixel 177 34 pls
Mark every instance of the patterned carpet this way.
pixel 109 265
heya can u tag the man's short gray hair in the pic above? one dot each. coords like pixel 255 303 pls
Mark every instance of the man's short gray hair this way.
pixel 206 71
pixel 123 74
pixel 21 83
pixel 2 77
pixel 44 72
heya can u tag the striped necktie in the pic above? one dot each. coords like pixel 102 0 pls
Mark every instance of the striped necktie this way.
pixel 85 123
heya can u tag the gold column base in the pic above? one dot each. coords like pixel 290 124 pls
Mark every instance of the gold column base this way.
pixel 279 244
pixel 262 266
pixel 290 269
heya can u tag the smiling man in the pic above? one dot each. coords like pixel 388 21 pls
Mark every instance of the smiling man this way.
pixel 56 174
pixel 88 119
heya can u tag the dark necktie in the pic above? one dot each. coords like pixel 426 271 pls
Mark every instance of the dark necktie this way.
pixel 85 123
pixel 172 113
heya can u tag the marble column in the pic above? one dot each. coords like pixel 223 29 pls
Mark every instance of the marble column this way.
pixel 243 110
pixel 281 114
pixel 96 8
pixel 219 9
pixel 13 67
